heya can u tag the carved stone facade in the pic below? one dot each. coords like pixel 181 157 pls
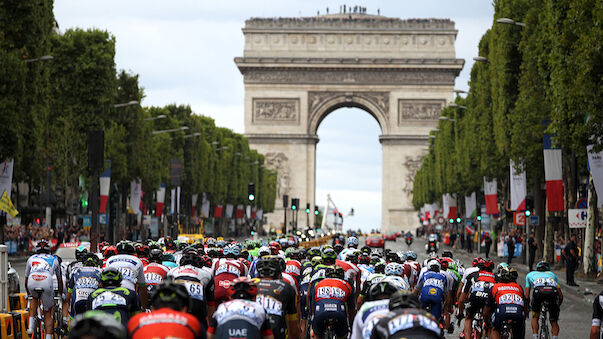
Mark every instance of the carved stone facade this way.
pixel 418 109
pixel 296 71
pixel 276 110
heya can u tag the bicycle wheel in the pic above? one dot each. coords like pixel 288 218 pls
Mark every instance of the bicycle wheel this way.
pixel 543 331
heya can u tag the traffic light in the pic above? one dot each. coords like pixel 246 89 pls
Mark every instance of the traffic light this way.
pixel 458 220
pixel 252 230
pixel 315 210
pixel 84 202
pixel 308 208
pixel 479 218
pixel 529 205
pixel 251 191
pixel 451 221
pixel 294 203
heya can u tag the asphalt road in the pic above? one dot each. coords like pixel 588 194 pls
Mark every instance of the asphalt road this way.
pixel 575 319
pixel 576 314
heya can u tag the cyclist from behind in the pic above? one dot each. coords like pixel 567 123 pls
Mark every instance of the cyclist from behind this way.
pixel 476 293
pixel 331 298
pixel 374 308
pixel 198 284
pixel 112 298
pixel 545 288
pixel 506 303
pixel 40 269
pixel 432 289
pixel 83 282
pixel 132 272
pixel 155 271
pixel 241 317
pixel 224 271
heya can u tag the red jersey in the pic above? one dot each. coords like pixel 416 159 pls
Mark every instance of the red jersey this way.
pixel 486 276
pixel 293 268
pixel 352 272
pixel 225 271
pixel 332 289
pixel 164 323
pixel 145 261
pixel 154 273
pixel 510 294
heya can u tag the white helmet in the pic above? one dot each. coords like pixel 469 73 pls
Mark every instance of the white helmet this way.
pixel 352 242
pixel 433 263
pixel 264 250
pixel 394 269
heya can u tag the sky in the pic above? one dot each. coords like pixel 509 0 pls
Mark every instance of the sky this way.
pixel 183 51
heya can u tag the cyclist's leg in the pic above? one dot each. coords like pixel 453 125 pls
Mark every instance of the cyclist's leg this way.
pixel 554 310
pixel 33 309
pixel 536 304
pixel 469 313
pixel 48 322
pixel 319 320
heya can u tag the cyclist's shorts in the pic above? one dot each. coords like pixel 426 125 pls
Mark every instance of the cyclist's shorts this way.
pixel 334 310
pixel 436 304
pixel 474 305
pixel 303 292
pixel 514 313
pixel 554 308
pixel 79 307
pixel 47 296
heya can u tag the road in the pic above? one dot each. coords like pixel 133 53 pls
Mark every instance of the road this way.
pixel 576 314
pixel 575 319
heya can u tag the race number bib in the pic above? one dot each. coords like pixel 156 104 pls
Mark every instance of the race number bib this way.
pixel 107 299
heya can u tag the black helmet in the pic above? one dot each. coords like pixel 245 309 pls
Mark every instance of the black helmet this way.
pixel 42 246
pixel 379 289
pixel 329 256
pixel 111 276
pixel 171 295
pixel 190 259
pixel 404 299
pixel 97 324
pixel 338 248
pixel 80 251
pixel 90 260
pixel 335 272
pixel 380 267
pixel 269 266
pixel 447 254
pixel 125 247
pixel 156 255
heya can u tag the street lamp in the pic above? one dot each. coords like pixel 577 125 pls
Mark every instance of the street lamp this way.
pixel 508 21
pixel 459 91
pixel 129 103
pixel 192 135
pixel 446 119
pixel 480 59
pixel 42 58
pixel 453 105
pixel 183 128
pixel 161 116
pixel 432 137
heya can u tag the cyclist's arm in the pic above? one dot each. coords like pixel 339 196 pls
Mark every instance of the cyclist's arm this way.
pixel 144 294
pixel 596 321
pixel 560 295
pixel 462 300
pixel 292 316
pixel 528 289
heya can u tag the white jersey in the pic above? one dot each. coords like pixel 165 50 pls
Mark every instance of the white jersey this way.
pixel 467 272
pixel 132 271
pixel 42 267
pixel 367 317
pixel 190 273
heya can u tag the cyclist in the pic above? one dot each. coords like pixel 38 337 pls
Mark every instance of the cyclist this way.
pixel 132 272
pixel 224 271
pixel 198 283
pixel 331 298
pixel 405 319
pixel 468 271
pixel 241 316
pixel 80 251
pixel 168 317
pixel 155 272
pixel 411 259
pixel 595 330
pixel 476 293
pixel 375 307
pixel 96 325
pixel 83 282
pixel 432 288
pixel 114 299
pixel 39 272
pixel 278 298
pixel 507 303
pixel 546 288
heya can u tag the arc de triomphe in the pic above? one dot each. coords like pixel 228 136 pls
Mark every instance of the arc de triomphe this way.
pixel 298 70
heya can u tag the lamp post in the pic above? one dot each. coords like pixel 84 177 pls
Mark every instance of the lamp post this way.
pixel 183 128
pixel 129 103
pixel 508 21
pixel 42 58
pixel 161 116
pixel 480 59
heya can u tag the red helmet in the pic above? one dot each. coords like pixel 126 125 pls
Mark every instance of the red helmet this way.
pixel 110 251
pixel 443 263
pixel 207 260
pixel 243 288
pixel 475 261
pixel 274 250
pixel 487 264
pixel 275 244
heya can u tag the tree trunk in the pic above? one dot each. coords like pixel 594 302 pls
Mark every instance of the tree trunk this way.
pixel 540 210
pixel 590 267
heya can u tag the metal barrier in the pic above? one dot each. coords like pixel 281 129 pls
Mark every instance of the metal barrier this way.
pixel 3 278
pixel 316 242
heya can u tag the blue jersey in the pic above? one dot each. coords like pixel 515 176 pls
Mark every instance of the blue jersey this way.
pixel 433 283
pixel 537 279
pixel 83 282
pixel 253 270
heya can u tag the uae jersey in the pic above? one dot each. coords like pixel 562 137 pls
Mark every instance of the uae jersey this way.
pixel 240 318
pixel 164 323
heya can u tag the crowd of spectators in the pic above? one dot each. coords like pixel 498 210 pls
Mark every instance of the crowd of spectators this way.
pixel 22 234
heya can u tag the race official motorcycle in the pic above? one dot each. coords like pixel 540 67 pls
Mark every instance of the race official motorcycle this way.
pixel 408 241
pixel 432 244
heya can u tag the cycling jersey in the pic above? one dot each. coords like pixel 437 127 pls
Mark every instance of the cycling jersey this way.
pixel 478 288
pixel 119 302
pixel 83 282
pixel 507 299
pixel 544 286
pixel 154 273
pixel 329 298
pixel 352 273
pixel 40 270
pixel 132 272
pixel 433 287
pixel 407 323
pixel 304 284
pixel 225 271
pixel 370 281
pixel 367 317
pixel 279 300
pixel 415 267
pixel 293 267
pixel 199 286
pixel 164 323
pixel 398 282
pixel 597 310
pixel 240 319
pixel 71 268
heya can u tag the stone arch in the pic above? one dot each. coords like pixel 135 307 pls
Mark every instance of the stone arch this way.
pixel 321 104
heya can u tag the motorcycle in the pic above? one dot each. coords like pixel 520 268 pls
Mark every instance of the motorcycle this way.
pixel 431 246
pixel 408 241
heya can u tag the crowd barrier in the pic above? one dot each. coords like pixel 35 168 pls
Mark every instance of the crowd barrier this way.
pixel 17 301
pixel 316 242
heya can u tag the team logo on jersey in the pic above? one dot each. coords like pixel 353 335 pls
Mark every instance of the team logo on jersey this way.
pixel 432 291
pixel 38 277
pixel 237 333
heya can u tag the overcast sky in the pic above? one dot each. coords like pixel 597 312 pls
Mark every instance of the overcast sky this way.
pixel 183 51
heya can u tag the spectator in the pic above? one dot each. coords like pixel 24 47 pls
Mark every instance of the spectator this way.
pixel 571 260
pixel 532 247
pixel 469 242
pixel 488 243
pixel 510 248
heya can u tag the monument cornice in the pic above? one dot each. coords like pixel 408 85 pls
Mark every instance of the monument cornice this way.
pixel 404 139
pixel 286 62
pixel 347 22
pixel 282 138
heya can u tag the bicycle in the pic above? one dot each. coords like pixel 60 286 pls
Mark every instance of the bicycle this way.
pixel 477 325
pixel 59 328
pixel 330 330
pixel 507 329
pixel 38 327
pixel 543 329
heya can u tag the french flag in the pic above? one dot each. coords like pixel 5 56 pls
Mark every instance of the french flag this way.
pixel 490 195
pixel 553 174
pixel 105 184
pixel 160 200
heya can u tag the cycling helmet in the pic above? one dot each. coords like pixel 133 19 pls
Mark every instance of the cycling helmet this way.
pixel 513 274
pixel 169 243
pixel 434 265
pixel 502 266
pixel 80 251
pixel 404 299
pixel 352 242
pixel 190 259
pixel 508 274
pixel 42 246
pixel 263 251
pixel 329 256
pixel 212 252
pixel 125 247
pixel 475 262
pixel 394 269
pixel 364 259
pixel 273 250
pixel 335 272
pixel 447 254
pixel 313 252
pixel 143 251
pixel 486 265
pixel 156 255
pixel 211 242
pixel 352 257
pixel 111 276
pixel 207 261
pixel 453 266
pixel 289 252
pixel 338 248
pixel 380 289
pixel 243 288
pixel 411 255
pixel 232 251
pixel 244 254
pixel 443 264
pixel 190 249
pixel 316 261
pixel 109 252
pixel 171 295
pixel 269 267
pixel 169 257
pixel 97 324
pixel 543 266
pixel 393 257
pixel 379 267
pixel 275 244
pixel 90 260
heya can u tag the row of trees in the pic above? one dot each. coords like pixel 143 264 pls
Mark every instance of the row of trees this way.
pixel 544 77
pixel 48 107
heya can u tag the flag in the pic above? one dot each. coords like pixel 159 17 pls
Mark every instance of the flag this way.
pixel 6 176
pixel 160 200
pixel 178 200
pixel 135 196
pixel 218 211
pixel 248 211
pixel 449 201
pixel 470 206
pixel 205 206
pixel 595 163
pixel 239 212
pixel 7 206
pixel 105 184
pixel 469 229
pixel 490 195
pixel 518 188
pixel 229 209
pixel 172 200
pixel 260 213
pixel 194 199
pixel 553 174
